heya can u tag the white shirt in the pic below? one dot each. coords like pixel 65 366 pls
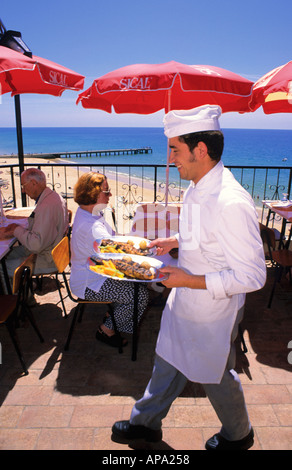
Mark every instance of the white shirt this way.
pixel 222 241
pixel 86 230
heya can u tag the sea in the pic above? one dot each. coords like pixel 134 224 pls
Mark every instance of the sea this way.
pixel 242 147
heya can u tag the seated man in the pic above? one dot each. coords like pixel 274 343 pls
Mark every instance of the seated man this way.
pixel 47 225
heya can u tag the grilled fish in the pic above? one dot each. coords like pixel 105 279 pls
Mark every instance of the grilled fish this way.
pixel 126 247
pixel 134 270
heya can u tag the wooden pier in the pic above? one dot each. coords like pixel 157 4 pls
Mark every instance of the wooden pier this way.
pixel 103 153
pixel 88 153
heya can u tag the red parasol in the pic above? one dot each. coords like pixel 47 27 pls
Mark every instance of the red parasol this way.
pixel 148 88
pixel 273 91
pixel 22 74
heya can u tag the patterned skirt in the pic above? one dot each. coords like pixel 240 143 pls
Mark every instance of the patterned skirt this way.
pixel 121 294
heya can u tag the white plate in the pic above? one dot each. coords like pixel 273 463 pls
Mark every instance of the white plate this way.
pixel 124 239
pixel 136 258
pixel 282 204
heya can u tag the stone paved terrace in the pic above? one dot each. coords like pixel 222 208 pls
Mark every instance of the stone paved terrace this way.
pixel 70 399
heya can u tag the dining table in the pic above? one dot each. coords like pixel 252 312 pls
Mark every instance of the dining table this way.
pixel 5 247
pixel 7 243
pixel 284 210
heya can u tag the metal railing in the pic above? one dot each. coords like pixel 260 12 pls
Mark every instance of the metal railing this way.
pixel 132 184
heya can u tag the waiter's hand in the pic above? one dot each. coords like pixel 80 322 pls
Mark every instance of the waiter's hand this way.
pixel 164 245
pixel 178 277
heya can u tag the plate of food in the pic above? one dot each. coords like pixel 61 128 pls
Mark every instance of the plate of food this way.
pixel 124 245
pixel 282 205
pixel 127 267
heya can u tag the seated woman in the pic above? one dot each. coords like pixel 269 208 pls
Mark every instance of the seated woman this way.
pixel 92 193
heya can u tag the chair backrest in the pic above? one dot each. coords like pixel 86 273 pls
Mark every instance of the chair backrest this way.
pixel 109 214
pixel 70 224
pixel 268 238
pixel 61 254
pixel 70 215
pixel 28 263
pixel 153 220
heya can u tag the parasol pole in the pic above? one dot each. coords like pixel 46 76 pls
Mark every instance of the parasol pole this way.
pixel 167 174
pixel 19 143
pixel 167 159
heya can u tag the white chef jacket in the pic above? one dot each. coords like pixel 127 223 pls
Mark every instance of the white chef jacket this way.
pixel 221 241
pixel 87 228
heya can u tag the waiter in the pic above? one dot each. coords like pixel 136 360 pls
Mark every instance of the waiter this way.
pixel 220 259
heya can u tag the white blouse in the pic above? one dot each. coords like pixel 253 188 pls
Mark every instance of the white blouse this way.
pixel 86 229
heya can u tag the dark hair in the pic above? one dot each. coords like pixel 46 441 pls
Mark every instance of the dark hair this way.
pixel 214 140
pixel 88 188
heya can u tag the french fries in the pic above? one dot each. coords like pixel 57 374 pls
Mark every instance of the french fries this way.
pixel 107 268
pixel 110 249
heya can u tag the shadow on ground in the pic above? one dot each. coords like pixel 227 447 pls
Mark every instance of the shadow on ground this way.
pixel 93 368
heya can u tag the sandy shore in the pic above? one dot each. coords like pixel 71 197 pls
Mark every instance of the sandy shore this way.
pixel 72 174
pixel 137 192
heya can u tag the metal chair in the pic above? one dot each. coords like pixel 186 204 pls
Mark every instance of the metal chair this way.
pixel 14 306
pixel 70 225
pixel 61 257
pixel 280 259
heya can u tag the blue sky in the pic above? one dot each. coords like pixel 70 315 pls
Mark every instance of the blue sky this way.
pixel 94 37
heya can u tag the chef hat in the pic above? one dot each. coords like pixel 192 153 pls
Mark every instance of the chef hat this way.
pixel 186 121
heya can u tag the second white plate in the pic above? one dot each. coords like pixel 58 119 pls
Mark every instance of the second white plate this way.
pixel 125 238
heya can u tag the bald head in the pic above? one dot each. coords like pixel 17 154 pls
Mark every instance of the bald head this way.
pixel 33 182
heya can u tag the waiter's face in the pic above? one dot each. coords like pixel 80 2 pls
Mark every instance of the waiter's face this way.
pixel 186 161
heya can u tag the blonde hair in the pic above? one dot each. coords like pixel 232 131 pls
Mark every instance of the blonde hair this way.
pixel 88 188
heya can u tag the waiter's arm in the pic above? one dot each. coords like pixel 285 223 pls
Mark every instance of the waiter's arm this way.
pixel 240 241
